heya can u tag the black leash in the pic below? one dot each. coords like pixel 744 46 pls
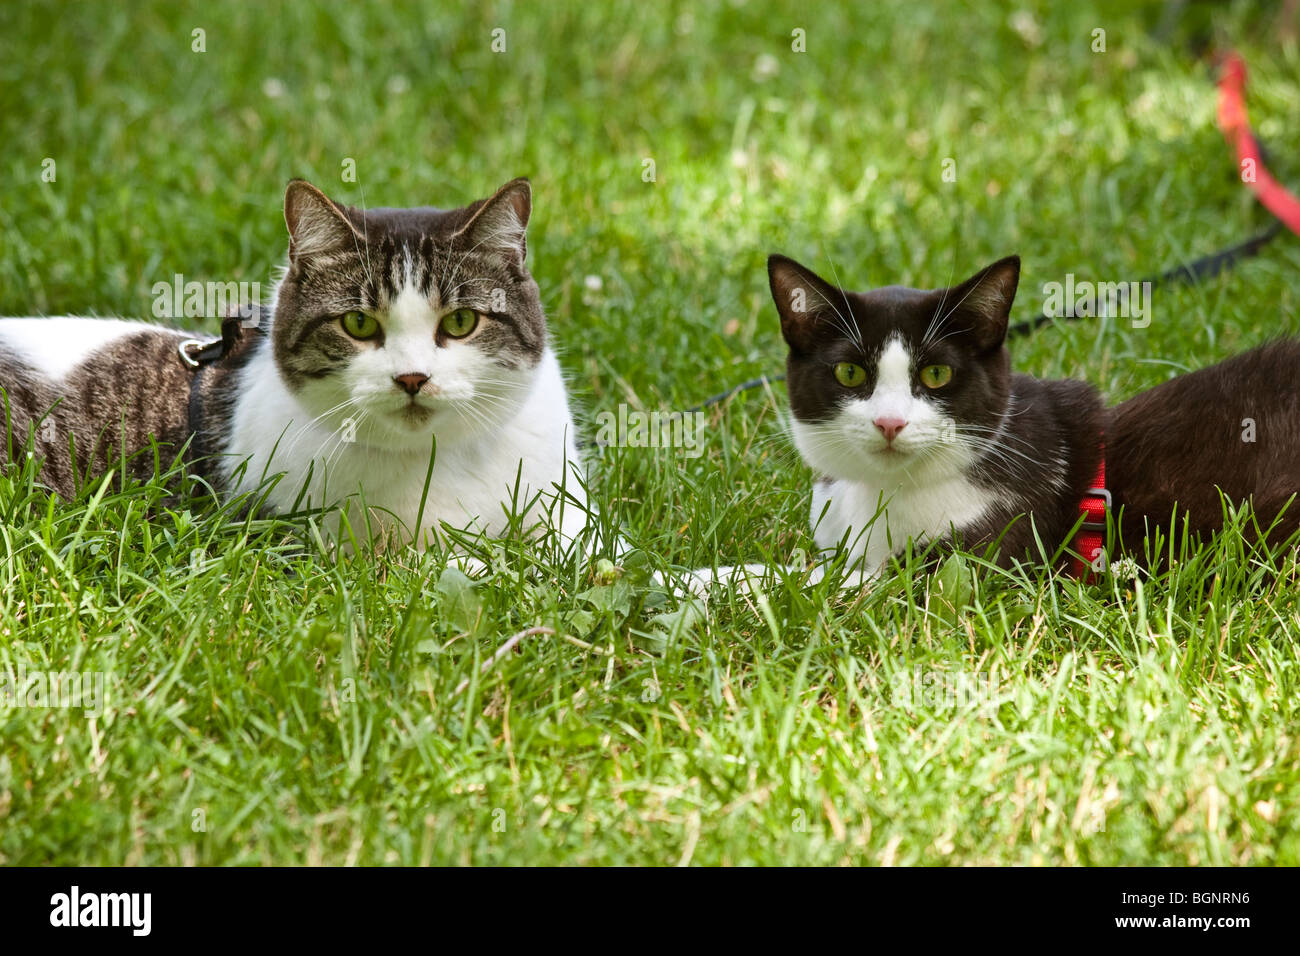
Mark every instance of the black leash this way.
pixel 1189 273
pixel 734 390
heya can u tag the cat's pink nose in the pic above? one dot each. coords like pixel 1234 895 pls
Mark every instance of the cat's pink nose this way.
pixel 890 427
pixel 412 382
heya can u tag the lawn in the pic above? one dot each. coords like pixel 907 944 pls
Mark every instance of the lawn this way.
pixel 269 704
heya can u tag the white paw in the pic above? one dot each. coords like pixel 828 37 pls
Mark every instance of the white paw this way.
pixel 682 584
pixel 469 566
pixel 740 578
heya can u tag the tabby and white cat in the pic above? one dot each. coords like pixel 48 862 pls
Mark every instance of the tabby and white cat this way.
pixel 904 404
pixel 390 327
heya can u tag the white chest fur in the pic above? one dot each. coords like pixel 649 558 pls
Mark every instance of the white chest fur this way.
pixel 876 522
pixel 474 479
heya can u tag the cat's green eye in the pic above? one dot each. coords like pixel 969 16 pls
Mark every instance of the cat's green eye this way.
pixel 936 376
pixel 850 375
pixel 359 325
pixel 460 323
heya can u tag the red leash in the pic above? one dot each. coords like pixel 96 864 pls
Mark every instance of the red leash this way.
pixel 1275 197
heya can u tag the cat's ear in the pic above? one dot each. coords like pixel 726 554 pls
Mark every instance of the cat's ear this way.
pixel 499 224
pixel 317 224
pixel 802 299
pixel 984 301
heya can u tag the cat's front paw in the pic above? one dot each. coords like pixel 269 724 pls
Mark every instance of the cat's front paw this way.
pixel 682 585
pixel 746 579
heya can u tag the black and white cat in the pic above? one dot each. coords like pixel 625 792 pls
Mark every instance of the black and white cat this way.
pixel 904 403
pixel 388 328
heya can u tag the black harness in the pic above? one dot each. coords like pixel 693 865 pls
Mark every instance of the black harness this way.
pixel 200 356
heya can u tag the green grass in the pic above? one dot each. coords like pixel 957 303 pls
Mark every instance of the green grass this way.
pixel 305 710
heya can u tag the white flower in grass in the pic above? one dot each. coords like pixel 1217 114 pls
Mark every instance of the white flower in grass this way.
pixel 1027 27
pixel 1126 569
pixel 766 66
pixel 273 87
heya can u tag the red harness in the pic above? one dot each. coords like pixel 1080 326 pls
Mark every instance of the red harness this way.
pixel 1090 541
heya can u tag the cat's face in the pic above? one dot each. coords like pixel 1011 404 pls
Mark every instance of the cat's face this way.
pixel 406 323
pixel 895 385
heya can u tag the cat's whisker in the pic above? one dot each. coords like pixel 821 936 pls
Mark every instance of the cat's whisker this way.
pixel 843 323
pixel 489 236
pixel 974 286
pixel 1002 440
pixel 450 294
pixel 854 334
pixel 933 326
pixel 306 427
pixel 342 441
pixel 943 338
pixel 1021 465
